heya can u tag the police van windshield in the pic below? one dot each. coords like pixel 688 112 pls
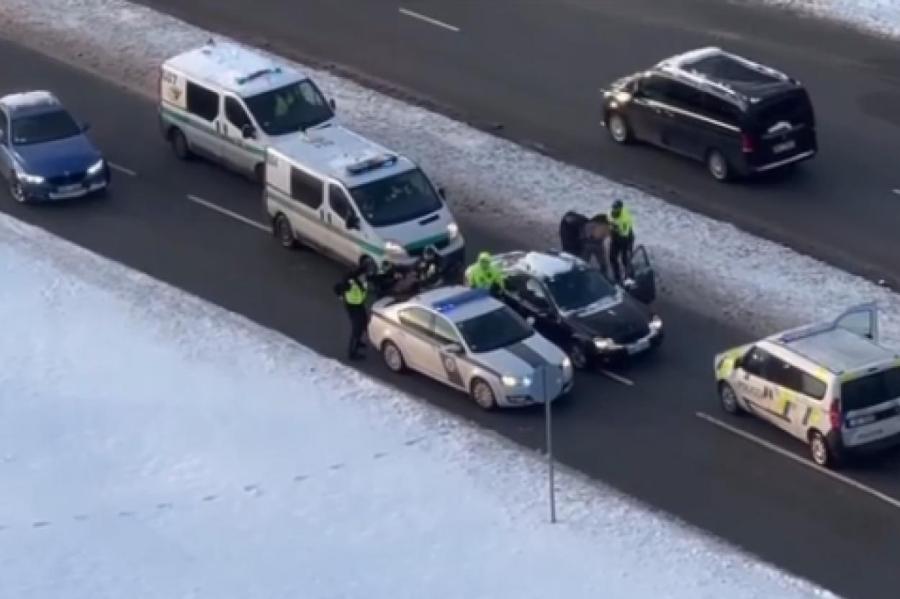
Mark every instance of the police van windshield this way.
pixel 495 329
pixel 43 127
pixel 396 199
pixel 579 288
pixel 871 390
pixel 289 109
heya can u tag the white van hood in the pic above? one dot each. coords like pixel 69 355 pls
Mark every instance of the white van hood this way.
pixel 420 232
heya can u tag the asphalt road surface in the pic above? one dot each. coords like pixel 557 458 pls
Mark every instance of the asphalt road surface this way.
pixel 638 430
pixel 536 66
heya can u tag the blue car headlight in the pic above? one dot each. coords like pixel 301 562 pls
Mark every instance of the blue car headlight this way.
pixel 29 179
pixel 96 168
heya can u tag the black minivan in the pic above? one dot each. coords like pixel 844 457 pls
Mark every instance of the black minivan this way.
pixel 738 117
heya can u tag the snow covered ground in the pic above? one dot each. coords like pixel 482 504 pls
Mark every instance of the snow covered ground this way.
pixel 169 449
pixel 706 263
pixel 878 16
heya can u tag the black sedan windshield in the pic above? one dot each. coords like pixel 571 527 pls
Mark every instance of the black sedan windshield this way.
pixel 396 199
pixel 579 287
pixel 289 109
pixel 43 127
pixel 499 328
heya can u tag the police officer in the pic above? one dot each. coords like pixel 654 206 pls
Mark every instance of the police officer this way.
pixel 353 291
pixel 483 274
pixel 571 232
pixel 597 231
pixel 622 241
pixel 429 267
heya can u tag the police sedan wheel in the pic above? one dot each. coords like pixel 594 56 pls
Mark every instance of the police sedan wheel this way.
pixel 393 359
pixel 618 128
pixel 578 356
pixel 483 395
pixel 17 191
pixel 729 399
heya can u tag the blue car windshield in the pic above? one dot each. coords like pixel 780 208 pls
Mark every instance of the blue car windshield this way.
pixel 43 127
pixel 290 109
pixel 495 329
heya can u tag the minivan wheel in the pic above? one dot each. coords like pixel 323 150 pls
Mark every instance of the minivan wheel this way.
pixel 717 165
pixel 483 395
pixel 180 145
pixel 819 451
pixel 728 399
pixel 618 128
pixel 284 232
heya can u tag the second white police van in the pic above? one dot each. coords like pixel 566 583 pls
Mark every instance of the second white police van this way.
pixel 346 196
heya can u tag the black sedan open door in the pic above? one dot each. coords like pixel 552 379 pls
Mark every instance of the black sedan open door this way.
pixel 643 278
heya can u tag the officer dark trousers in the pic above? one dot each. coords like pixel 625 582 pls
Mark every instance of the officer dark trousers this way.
pixel 620 250
pixel 359 320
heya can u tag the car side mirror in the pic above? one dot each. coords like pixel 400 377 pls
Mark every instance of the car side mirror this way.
pixel 352 222
pixel 453 348
pixel 333 105
pixel 248 132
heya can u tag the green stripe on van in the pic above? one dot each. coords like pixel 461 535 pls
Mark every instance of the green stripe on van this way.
pixel 178 116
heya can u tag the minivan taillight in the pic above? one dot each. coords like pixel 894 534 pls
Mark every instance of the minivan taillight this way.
pixel 834 414
pixel 747 145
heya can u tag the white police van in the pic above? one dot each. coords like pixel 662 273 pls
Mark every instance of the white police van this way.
pixel 830 384
pixel 346 196
pixel 228 103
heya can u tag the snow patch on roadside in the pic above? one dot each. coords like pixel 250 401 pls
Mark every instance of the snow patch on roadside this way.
pixel 138 459
pixel 877 16
pixel 707 264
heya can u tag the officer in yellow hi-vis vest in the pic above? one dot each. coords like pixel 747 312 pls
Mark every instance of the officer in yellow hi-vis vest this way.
pixel 622 243
pixel 353 291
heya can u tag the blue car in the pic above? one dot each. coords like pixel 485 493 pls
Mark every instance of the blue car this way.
pixel 44 154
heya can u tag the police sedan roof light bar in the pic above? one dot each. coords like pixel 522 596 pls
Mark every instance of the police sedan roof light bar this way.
pixel 454 301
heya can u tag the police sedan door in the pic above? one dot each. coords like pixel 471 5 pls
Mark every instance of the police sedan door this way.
pixel 418 343
pixel 450 351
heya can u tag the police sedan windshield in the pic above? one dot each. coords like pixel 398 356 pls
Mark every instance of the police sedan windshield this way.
pixel 396 199
pixel 492 330
pixel 289 109
pixel 43 127
pixel 579 287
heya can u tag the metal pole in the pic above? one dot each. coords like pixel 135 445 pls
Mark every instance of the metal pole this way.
pixel 549 441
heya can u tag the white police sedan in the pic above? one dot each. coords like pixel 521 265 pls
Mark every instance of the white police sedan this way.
pixel 466 339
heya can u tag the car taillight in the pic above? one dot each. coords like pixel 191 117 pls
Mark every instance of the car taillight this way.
pixel 747 145
pixel 835 413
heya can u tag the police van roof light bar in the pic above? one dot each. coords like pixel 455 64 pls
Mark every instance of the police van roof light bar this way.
pixel 372 163
pixel 454 301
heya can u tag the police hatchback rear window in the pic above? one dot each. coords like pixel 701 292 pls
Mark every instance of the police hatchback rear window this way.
pixel 871 390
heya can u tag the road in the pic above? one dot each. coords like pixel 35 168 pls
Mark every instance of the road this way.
pixel 640 434
pixel 536 66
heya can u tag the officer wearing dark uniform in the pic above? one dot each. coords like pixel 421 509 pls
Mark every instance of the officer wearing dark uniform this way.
pixel 430 267
pixel 353 291
pixel 571 232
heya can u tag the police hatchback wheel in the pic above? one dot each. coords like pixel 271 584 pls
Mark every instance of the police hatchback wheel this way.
pixel 618 128
pixel 483 395
pixel 819 451
pixel 393 359
pixel 717 165
pixel 284 232
pixel 728 399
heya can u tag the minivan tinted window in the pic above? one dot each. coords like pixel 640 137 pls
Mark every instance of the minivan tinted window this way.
pixel 396 199
pixel 793 107
pixel 871 390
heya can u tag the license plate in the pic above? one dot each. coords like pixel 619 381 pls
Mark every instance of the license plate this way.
pixel 784 147
pixel 68 188
pixel 639 346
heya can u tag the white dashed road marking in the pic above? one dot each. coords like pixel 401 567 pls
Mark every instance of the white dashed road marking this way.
pixel 121 169
pixel 896 192
pixel 617 377
pixel 892 501
pixel 229 213
pixel 429 20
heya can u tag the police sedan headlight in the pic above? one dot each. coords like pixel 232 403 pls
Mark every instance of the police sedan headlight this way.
pixel 30 179
pixel 452 231
pixel 656 324
pixel 393 248
pixel 603 344
pixel 567 366
pixel 516 381
pixel 96 168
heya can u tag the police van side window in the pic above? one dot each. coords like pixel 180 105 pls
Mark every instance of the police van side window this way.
pixel 306 189
pixel 338 202
pixel 202 102
pixel 236 114
pixel 756 362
